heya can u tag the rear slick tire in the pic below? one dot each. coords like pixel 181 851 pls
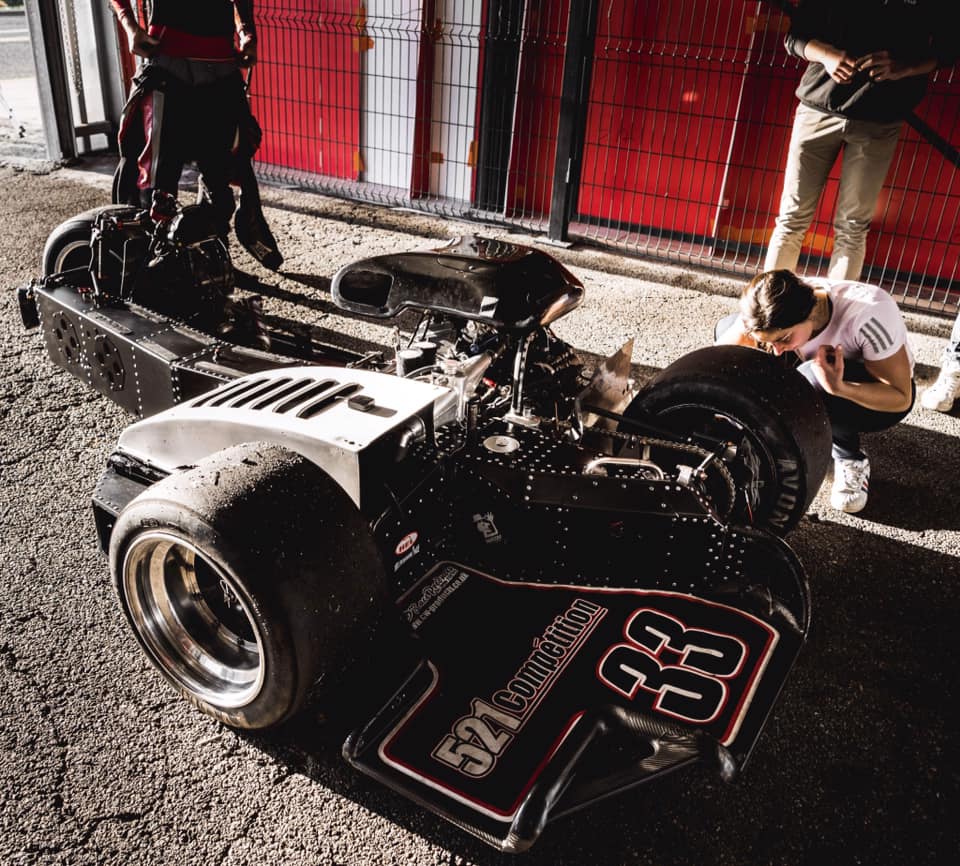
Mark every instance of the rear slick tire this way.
pixel 248 579
pixel 68 246
pixel 727 391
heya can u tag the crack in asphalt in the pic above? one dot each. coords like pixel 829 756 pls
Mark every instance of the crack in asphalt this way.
pixel 85 828
pixel 11 661
pixel 251 818
pixel 91 826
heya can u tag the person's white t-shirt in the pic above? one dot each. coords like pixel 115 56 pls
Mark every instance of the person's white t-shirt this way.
pixel 865 322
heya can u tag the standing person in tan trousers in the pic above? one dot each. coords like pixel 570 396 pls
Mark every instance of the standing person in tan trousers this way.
pixel 869 62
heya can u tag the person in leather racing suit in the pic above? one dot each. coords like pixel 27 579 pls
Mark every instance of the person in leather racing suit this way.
pixel 189 102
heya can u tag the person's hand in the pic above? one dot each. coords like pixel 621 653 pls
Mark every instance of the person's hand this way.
pixel 828 368
pixel 139 41
pixel 840 66
pixel 880 66
pixel 247 49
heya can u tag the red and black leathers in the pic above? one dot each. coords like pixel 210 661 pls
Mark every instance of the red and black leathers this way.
pixel 194 108
pixel 199 30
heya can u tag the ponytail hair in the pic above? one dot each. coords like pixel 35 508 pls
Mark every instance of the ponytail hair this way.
pixel 775 300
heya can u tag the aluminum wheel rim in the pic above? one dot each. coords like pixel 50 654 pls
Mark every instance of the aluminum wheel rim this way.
pixel 193 621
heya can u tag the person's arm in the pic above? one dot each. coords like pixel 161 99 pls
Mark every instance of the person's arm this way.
pixel 941 51
pixel 840 66
pixel 246 31
pixel 892 392
pixel 138 40
pixel 813 27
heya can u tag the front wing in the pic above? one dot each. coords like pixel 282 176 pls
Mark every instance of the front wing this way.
pixel 537 699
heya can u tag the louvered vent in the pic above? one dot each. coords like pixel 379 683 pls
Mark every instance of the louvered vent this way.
pixel 303 396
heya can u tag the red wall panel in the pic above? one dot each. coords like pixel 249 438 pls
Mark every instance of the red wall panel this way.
pixel 306 88
pixel 530 179
pixel 661 115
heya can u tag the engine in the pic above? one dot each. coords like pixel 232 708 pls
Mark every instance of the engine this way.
pixel 530 379
pixel 484 332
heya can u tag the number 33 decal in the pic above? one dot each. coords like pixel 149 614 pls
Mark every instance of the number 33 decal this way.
pixel 685 668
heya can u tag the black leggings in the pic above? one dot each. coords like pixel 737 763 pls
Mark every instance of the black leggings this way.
pixel 847 419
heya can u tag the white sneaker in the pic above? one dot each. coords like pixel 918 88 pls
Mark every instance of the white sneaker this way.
pixel 851 481
pixel 940 395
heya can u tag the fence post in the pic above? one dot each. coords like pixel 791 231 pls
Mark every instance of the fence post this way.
pixel 574 99
pixel 498 98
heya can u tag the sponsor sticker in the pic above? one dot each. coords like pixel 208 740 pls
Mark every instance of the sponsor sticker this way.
pixel 406 543
pixel 487 528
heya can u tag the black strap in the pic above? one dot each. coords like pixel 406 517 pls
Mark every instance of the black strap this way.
pixel 937 141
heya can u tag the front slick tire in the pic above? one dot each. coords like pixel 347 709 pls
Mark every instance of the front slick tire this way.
pixel 247 579
pixel 734 392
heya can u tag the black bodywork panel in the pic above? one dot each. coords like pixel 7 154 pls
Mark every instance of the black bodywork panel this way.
pixel 142 360
pixel 510 287
pixel 535 699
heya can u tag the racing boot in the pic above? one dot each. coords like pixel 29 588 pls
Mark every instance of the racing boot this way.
pixel 250 224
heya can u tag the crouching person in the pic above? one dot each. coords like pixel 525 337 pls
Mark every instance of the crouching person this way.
pixel 851 342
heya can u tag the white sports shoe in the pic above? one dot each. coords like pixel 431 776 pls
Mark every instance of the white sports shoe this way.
pixel 851 481
pixel 940 395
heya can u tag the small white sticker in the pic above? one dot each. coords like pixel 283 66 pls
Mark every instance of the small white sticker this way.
pixel 487 528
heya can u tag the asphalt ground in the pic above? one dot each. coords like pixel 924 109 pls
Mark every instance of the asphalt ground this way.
pixel 100 763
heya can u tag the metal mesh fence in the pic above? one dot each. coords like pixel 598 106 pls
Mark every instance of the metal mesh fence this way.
pixel 658 127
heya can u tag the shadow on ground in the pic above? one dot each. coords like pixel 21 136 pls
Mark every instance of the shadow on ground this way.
pixel 909 483
pixel 857 763
pixel 318 284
